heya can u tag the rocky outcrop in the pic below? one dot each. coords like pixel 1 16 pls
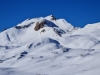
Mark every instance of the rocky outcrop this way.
pixel 53 18
pixel 39 25
pixel 23 54
pixel 22 27
pixel 4 29
pixel 57 32
pixel 43 30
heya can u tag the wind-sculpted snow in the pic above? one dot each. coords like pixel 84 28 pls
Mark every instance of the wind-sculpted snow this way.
pixel 56 49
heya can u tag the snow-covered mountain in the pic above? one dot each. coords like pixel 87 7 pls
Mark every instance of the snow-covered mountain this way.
pixel 50 46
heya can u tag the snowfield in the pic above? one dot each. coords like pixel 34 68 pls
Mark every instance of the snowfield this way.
pixel 61 49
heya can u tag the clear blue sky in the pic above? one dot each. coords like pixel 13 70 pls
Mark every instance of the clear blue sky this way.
pixel 77 12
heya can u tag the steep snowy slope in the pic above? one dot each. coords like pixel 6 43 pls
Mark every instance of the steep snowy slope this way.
pixel 56 48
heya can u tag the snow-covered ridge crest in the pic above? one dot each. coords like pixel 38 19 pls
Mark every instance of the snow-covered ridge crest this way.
pixel 94 25
pixel 62 23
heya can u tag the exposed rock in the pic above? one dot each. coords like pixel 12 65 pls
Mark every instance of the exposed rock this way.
pixel 57 32
pixel 23 27
pixel 53 18
pixel 23 54
pixel 29 46
pixel 65 49
pixel 18 27
pixel 42 23
pixel 4 29
pixel 39 25
pixel 43 30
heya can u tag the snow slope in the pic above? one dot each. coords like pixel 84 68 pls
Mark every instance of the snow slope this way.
pixel 61 49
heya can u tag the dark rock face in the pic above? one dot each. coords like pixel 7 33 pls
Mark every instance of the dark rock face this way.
pixel 53 18
pixel 65 49
pixel 43 30
pixel 22 27
pixel 39 25
pixel 4 29
pixel 23 54
pixel 57 32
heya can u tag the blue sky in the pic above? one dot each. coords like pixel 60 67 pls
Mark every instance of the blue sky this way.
pixel 77 12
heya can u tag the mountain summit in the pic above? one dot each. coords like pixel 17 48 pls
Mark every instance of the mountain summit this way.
pixel 50 46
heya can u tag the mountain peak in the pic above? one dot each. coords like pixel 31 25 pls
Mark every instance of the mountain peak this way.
pixel 50 46
pixel 50 17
